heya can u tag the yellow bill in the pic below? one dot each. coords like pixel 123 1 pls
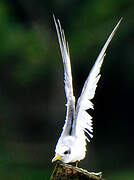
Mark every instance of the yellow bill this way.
pixel 56 158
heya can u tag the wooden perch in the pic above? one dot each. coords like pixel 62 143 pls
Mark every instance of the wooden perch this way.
pixel 68 172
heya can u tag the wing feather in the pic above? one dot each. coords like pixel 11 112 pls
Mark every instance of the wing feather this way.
pixel 83 121
pixel 64 48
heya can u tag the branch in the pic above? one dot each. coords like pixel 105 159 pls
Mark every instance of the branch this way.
pixel 69 172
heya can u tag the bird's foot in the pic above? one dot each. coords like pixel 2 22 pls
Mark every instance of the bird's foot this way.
pixel 77 162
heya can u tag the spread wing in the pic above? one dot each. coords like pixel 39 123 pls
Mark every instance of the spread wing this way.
pixel 67 79
pixel 83 121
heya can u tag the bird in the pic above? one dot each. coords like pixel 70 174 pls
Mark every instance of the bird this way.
pixel 78 127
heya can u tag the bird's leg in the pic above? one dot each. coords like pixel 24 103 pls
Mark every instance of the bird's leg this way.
pixel 77 163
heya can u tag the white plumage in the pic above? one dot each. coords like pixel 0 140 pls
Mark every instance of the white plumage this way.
pixel 71 146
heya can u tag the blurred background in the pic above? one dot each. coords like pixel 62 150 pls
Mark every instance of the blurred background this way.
pixel 32 100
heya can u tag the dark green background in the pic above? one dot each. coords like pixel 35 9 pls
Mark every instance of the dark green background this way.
pixel 32 100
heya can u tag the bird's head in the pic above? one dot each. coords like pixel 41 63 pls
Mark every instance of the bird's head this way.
pixel 63 153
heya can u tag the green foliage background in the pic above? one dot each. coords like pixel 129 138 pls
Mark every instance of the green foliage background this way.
pixel 32 110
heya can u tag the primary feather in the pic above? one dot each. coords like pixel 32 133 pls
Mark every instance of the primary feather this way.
pixel 67 79
pixel 83 121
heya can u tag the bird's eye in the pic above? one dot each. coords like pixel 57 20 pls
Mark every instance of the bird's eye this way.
pixel 67 152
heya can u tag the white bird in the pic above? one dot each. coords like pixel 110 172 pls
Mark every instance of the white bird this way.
pixel 71 146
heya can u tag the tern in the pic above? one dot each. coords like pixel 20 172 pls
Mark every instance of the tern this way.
pixel 77 130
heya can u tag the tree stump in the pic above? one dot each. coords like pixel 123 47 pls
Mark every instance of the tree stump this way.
pixel 69 172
